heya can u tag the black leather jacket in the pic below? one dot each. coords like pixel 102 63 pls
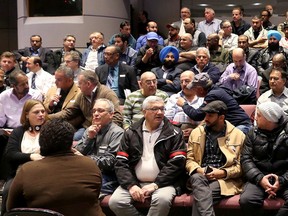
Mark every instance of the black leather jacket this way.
pixel 266 152
pixel 169 151
pixel 265 58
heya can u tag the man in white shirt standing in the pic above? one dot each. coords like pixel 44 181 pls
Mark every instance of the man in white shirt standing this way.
pixel 38 78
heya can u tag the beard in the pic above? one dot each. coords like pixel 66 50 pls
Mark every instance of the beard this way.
pixel 273 46
pixel 168 64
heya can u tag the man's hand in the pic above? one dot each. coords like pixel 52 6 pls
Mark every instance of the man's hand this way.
pixel 262 40
pixel 149 189
pixel 137 193
pixel 54 98
pixel 169 81
pixel 76 152
pixel 200 170
pixel 35 157
pixel 93 131
pixel 234 76
pixel 187 132
pixel 149 52
pixel 24 59
pixel 180 101
pixel 216 174
pixel 268 187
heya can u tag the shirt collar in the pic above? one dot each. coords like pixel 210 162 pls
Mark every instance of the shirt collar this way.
pixel 144 128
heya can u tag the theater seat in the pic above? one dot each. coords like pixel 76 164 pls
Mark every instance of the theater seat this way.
pixel 250 110
pixel 31 212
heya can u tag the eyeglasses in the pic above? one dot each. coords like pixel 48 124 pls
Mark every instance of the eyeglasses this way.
pixel 156 109
pixel 99 110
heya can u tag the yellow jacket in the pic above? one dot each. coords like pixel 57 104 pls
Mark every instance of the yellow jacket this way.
pixel 230 145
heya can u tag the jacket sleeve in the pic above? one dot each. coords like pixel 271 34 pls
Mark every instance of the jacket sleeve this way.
pixel 214 74
pixel 193 151
pixel 201 40
pixel 13 149
pixel 131 79
pixel 251 172
pixel 106 157
pixel 19 53
pixel 16 197
pixel 125 173
pixel 49 65
pixel 69 113
pixel 194 114
pixel 175 166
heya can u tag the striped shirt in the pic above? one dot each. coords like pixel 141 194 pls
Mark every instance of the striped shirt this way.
pixel 132 111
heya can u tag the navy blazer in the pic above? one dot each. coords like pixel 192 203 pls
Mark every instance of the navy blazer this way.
pixel 173 75
pixel 126 78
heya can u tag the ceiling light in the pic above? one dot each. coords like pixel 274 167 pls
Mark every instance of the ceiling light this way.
pixel 257 4
pixel 203 5
pixel 230 5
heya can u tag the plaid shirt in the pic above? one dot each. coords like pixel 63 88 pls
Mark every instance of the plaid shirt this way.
pixel 213 156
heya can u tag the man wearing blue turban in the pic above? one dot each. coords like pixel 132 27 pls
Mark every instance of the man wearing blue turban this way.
pixel 265 56
pixel 168 76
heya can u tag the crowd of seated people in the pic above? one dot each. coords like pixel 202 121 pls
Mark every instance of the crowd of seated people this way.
pixel 154 114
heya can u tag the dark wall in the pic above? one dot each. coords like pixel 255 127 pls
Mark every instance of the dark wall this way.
pixel 8 25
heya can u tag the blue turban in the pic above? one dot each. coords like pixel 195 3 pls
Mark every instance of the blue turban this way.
pixel 275 34
pixel 168 49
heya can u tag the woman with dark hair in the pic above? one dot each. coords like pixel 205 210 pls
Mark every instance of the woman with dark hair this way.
pixel 23 143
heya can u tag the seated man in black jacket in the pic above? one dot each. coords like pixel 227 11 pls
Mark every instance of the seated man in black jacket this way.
pixel 204 87
pixel 150 162
pixel 264 160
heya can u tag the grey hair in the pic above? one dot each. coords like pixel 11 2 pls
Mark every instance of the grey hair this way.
pixel 67 71
pixel 110 104
pixel 74 55
pixel 204 49
pixel 90 76
pixel 151 99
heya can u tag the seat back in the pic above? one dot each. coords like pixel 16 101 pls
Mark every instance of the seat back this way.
pixel 249 110
pixel 31 212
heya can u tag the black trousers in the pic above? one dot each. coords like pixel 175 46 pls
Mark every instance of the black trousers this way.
pixel 252 198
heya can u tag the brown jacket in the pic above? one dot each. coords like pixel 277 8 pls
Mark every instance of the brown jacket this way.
pixel 65 183
pixel 83 107
pixel 69 100
pixel 230 145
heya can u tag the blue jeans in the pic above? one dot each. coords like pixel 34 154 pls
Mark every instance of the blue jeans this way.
pixel 244 128
pixel 78 134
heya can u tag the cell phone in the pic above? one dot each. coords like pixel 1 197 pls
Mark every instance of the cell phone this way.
pixel 271 180
pixel 208 169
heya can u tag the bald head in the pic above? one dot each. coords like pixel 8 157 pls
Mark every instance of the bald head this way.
pixel 238 52
pixel 148 83
pixel 239 57
pixel 188 73
pixel 147 74
pixel 186 77
pixel 279 61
